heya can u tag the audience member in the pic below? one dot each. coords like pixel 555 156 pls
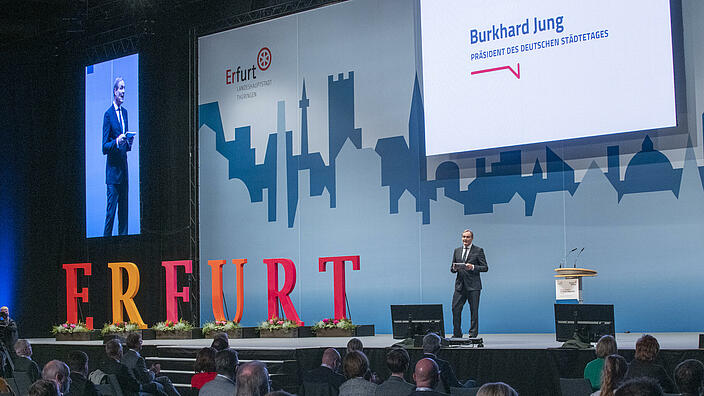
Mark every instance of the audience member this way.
pixel 59 373
pixel 397 360
pixel 431 347
pixel 647 348
pixel 204 367
pixel 355 344
pixel 112 365
pixel 689 376
pixel 224 383
pixel 326 373
pixel 80 385
pixel 146 377
pixel 496 389
pixel 23 361
pixel 604 347
pixel 641 386
pixel 355 365
pixel 279 393
pixel 220 341
pixel 426 375
pixel 613 372
pixel 43 388
pixel 253 379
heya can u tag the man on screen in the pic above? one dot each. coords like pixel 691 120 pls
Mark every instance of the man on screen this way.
pixel 116 144
pixel 468 261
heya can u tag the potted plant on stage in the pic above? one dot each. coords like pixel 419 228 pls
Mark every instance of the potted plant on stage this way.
pixel 72 332
pixel 278 328
pixel 119 330
pixel 181 330
pixel 330 327
pixel 230 327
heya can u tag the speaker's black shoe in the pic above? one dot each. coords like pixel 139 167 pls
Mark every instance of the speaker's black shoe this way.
pixel 473 335
pixel 456 336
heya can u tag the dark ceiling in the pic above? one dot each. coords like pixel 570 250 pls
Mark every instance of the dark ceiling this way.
pixel 92 22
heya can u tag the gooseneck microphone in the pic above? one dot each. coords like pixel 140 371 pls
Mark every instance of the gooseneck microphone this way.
pixel 575 259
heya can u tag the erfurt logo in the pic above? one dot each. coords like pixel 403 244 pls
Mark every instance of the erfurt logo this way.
pixel 241 74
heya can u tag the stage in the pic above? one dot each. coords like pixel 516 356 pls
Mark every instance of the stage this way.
pixel 531 363
pixel 491 341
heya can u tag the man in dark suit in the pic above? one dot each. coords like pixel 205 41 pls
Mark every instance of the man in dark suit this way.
pixel 325 375
pixel 116 145
pixel 113 365
pixel 24 362
pixel 397 360
pixel 426 378
pixel 431 347
pixel 80 385
pixel 135 362
pixel 58 372
pixel 468 261
pixel 253 379
pixel 226 362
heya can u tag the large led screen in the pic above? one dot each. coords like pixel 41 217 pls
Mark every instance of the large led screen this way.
pixel 112 147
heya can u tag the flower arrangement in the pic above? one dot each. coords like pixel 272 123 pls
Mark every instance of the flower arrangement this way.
pixel 119 327
pixel 277 324
pixel 181 325
pixel 220 326
pixel 330 323
pixel 70 328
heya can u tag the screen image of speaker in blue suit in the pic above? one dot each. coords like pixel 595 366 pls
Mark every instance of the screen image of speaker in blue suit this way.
pixel 112 147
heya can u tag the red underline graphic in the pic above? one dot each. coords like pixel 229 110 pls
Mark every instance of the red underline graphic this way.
pixel 516 72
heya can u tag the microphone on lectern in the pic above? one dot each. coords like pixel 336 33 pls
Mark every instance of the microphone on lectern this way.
pixel 575 259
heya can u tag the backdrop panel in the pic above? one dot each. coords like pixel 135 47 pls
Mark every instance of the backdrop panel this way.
pixel 312 144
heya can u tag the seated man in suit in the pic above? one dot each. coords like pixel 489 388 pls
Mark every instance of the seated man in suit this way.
pixel 80 386
pixel 431 347
pixel 397 361
pixel 426 375
pixel 113 365
pixel 226 362
pixel 23 361
pixel 253 379
pixel 689 377
pixel 135 362
pixel 58 372
pixel 326 373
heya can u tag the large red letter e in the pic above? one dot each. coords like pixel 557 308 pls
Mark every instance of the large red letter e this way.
pixel 72 293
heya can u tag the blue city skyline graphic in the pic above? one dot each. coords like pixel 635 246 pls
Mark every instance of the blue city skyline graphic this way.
pixel 404 164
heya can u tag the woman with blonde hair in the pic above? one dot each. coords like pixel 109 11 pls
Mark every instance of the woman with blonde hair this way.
pixel 615 367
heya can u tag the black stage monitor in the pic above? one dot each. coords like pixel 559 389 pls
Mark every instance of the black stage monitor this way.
pixel 417 320
pixel 589 321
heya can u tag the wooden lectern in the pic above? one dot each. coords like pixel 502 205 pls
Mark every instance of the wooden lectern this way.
pixel 568 285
